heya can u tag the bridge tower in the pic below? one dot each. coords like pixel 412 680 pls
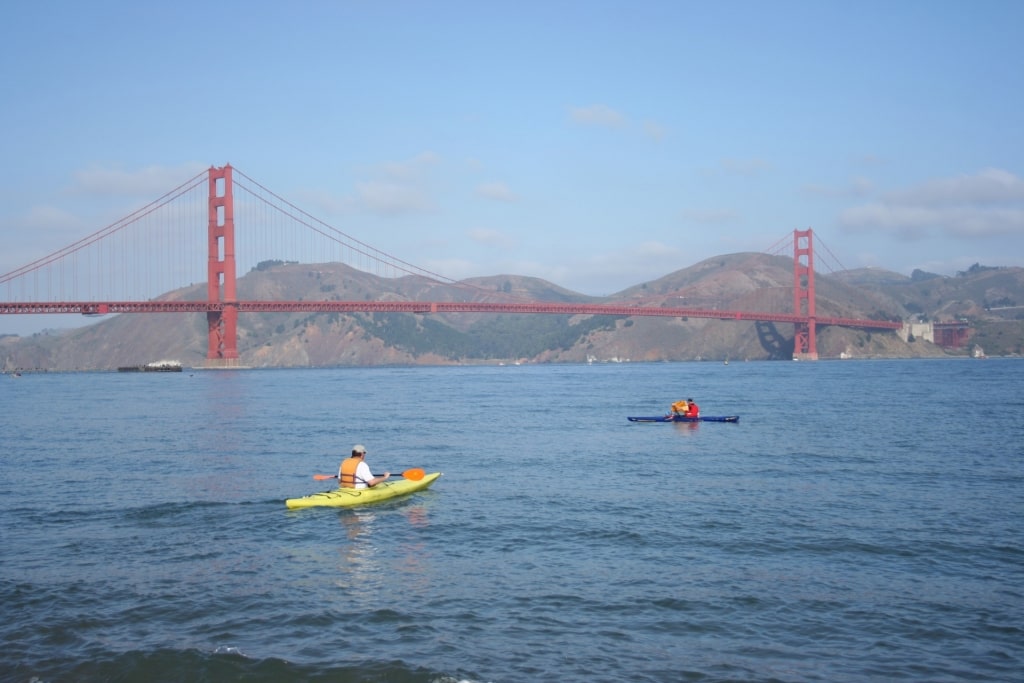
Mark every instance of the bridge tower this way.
pixel 220 283
pixel 804 342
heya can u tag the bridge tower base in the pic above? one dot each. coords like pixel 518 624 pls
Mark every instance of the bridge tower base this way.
pixel 222 318
pixel 804 338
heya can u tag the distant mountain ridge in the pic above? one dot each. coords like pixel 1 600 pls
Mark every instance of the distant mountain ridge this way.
pixel 991 298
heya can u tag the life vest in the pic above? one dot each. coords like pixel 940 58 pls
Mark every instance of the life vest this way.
pixel 693 410
pixel 347 473
pixel 679 407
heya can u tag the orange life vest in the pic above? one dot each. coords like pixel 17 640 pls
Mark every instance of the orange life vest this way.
pixel 347 473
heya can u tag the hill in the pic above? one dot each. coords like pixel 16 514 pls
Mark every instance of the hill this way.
pixel 989 297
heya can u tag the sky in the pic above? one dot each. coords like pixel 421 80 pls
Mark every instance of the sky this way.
pixel 597 145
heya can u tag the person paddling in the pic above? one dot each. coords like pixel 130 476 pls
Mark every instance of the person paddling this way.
pixel 354 473
pixel 677 408
pixel 692 410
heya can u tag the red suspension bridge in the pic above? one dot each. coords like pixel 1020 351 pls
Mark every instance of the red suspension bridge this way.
pixel 109 270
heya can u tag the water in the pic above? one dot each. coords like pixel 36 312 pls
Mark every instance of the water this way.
pixel 862 522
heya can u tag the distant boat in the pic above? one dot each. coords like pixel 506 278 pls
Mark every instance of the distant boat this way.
pixel 683 418
pixel 157 366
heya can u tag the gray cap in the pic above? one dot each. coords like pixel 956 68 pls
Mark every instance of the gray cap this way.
pixel 359 448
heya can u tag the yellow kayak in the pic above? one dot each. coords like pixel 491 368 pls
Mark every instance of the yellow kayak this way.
pixel 344 498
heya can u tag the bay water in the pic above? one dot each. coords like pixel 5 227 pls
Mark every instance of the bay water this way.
pixel 863 521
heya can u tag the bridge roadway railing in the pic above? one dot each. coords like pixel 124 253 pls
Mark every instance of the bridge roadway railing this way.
pixel 424 307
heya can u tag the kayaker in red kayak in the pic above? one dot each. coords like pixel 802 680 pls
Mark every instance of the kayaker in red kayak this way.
pixel 677 408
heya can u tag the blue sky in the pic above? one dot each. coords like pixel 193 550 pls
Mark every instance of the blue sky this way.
pixel 597 145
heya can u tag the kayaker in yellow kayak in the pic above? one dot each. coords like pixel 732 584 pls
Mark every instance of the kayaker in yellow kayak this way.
pixel 354 473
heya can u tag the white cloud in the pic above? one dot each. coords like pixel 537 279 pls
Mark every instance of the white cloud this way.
pixel 409 170
pixel 857 187
pixel 146 182
pixel 991 185
pixel 869 160
pixel 601 115
pixel 745 167
pixel 48 217
pixel 710 216
pixel 654 249
pixel 987 204
pixel 609 272
pixel 490 237
pixel 326 203
pixel 497 191
pixel 597 115
pixel 396 187
pixel 41 230
pixel 654 131
pixel 390 188
pixel 598 274
pixel 393 198
pixel 920 222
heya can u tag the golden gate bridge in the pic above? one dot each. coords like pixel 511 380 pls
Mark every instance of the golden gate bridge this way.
pixel 106 271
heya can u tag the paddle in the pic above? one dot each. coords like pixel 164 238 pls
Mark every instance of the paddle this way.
pixel 415 474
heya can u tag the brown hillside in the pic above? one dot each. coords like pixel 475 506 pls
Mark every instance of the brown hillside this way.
pixel 991 298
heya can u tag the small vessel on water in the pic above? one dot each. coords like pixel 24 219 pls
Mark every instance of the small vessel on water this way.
pixel 683 418
pixel 416 480
pixel 156 366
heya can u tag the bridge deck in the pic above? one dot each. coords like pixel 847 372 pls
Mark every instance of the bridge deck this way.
pixel 426 307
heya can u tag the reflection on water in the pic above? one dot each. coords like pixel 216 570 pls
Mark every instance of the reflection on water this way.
pixel 369 560
pixel 360 569
pixel 356 522
pixel 415 561
pixel 417 516
pixel 356 525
